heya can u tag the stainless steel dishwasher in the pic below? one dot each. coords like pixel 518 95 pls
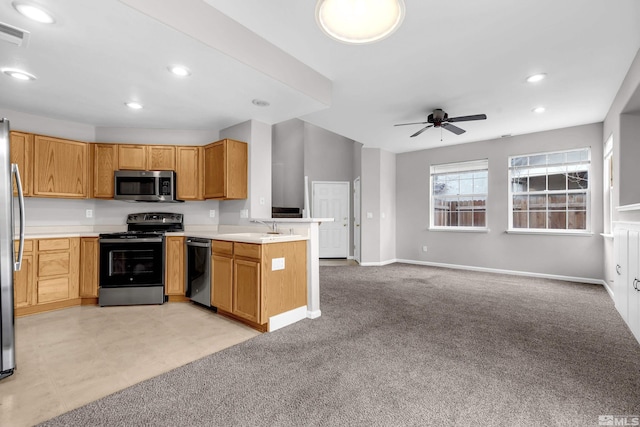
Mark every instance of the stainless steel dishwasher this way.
pixel 198 271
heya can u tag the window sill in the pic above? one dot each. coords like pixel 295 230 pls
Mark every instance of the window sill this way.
pixel 551 232
pixel 460 229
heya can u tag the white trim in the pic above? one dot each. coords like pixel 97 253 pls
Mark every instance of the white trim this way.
pixel 313 314
pixel 461 229
pixel 378 264
pixel 608 289
pixel 287 318
pixel 625 208
pixel 607 235
pixel 500 271
pixel 550 232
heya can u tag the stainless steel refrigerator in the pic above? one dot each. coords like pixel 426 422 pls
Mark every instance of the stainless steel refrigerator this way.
pixel 8 263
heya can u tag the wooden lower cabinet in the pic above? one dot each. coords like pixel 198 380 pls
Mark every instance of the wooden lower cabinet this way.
pixel 174 265
pixel 89 267
pixel 246 285
pixel 50 276
pixel 23 284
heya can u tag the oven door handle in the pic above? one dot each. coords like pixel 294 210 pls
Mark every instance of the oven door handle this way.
pixel 143 240
pixel 198 244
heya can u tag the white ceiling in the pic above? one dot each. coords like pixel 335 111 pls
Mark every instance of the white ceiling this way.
pixel 465 56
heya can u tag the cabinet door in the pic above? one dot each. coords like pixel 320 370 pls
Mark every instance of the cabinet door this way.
pixel 246 289
pixel 621 283
pixel 132 157
pixel 59 168
pixel 214 171
pixel 89 272
pixel 188 169
pixel 23 295
pixel 161 158
pixel 22 153
pixel 633 319
pixel 51 290
pixel 105 162
pixel 222 282
pixel 236 170
pixel 174 274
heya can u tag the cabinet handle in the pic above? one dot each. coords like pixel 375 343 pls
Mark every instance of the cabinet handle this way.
pixel 618 269
pixel 635 284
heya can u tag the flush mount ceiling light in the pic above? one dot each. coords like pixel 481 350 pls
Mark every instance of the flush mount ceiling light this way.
pixel 536 78
pixel 260 102
pixel 18 74
pixel 539 110
pixel 34 13
pixel 179 70
pixel 133 105
pixel 359 21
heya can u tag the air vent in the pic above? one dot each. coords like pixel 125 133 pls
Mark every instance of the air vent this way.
pixel 14 35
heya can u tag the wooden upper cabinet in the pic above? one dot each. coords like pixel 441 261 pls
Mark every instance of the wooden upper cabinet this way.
pixel 22 154
pixel 225 170
pixel 161 158
pixel 132 157
pixel 188 172
pixel 105 162
pixel 147 157
pixel 59 168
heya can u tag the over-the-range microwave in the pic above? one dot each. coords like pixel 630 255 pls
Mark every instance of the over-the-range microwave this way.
pixel 145 186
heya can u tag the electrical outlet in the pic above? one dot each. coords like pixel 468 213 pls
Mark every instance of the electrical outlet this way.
pixel 262 200
pixel 89 213
pixel 212 213
pixel 424 249
pixel 244 213
pixel 369 215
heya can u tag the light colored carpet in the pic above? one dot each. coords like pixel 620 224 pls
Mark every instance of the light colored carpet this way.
pixel 407 345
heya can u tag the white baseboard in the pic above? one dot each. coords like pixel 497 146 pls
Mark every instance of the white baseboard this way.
pixel 500 271
pixel 608 288
pixel 287 318
pixel 378 264
pixel 313 314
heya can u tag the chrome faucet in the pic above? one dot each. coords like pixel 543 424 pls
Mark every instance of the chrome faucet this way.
pixel 273 226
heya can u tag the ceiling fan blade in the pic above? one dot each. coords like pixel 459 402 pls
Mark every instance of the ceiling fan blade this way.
pixel 467 118
pixel 454 129
pixel 421 130
pixel 417 123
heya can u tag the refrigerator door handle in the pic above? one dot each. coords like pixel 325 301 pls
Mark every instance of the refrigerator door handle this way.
pixel 16 171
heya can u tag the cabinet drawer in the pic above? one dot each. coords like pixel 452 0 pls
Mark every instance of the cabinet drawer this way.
pixel 53 244
pixel 248 250
pixel 50 290
pixel 28 246
pixel 53 264
pixel 222 247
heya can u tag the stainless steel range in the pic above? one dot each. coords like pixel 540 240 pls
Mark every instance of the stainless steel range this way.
pixel 132 262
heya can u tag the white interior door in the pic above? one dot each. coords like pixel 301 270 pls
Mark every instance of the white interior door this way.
pixel 356 219
pixel 331 200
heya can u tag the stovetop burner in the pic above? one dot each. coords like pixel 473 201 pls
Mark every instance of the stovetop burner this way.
pixel 148 225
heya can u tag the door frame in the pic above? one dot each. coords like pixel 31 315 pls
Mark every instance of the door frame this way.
pixel 357 220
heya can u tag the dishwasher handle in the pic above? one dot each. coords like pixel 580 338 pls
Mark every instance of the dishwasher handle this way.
pixel 201 243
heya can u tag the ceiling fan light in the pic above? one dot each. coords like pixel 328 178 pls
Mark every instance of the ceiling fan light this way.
pixel 18 74
pixel 359 21
pixel 133 105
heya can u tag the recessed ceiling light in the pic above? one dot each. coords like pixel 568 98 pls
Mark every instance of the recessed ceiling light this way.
pixel 133 105
pixel 18 74
pixel 34 13
pixel 179 70
pixel 536 78
pixel 357 21
pixel 539 110
pixel 260 103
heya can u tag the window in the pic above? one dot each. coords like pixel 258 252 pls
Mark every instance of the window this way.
pixel 459 195
pixel 608 185
pixel 550 191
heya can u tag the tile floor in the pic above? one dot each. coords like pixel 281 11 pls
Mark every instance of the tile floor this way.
pixel 70 357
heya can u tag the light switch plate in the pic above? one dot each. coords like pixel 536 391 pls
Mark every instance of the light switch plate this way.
pixel 277 264
pixel 369 215
pixel 212 213
pixel 89 213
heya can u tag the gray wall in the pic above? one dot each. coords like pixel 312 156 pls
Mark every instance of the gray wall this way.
pixel 564 255
pixel 288 164
pixel 258 202
pixel 301 149
pixel 370 203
